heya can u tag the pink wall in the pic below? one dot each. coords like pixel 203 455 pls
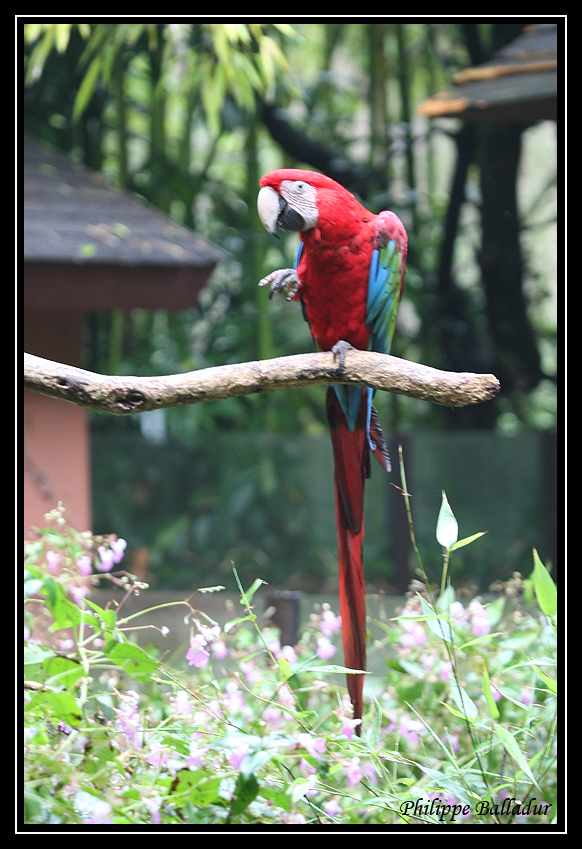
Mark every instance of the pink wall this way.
pixel 56 433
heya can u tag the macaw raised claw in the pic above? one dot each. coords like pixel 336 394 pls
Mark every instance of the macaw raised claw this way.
pixel 349 276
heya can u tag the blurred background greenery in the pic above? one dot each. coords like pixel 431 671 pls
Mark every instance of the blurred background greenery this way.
pixel 189 116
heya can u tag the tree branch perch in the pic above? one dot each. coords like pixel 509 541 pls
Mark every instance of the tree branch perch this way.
pixel 126 395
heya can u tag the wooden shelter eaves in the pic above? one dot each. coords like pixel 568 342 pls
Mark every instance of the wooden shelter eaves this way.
pixel 72 214
pixel 519 84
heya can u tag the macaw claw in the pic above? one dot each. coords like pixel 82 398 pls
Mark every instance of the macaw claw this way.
pixel 283 280
pixel 340 350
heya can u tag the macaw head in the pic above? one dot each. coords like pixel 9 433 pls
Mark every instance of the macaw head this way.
pixel 297 201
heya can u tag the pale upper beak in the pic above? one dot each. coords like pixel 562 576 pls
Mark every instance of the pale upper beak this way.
pixel 274 211
pixel 269 206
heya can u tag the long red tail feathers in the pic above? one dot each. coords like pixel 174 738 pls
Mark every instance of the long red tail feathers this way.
pixel 352 466
pixel 353 610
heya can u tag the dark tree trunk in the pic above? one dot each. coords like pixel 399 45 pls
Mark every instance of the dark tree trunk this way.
pixel 517 361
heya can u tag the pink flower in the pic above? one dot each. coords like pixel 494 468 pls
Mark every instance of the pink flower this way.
pixel 53 558
pixel 348 727
pixel 106 558
pixel 273 716
pixel 353 772
pixel 233 698
pixel 157 754
pixel 153 806
pixel 314 745
pixel 289 653
pixel 479 622
pixel 445 669
pixel 84 565
pixel 285 696
pixel 415 634
pixel 197 654
pixel 77 593
pixel 457 611
pixel 370 772
pixel 182 704
pixel 325 649
pixel 250 671
pixel 220 650
pixel 410 729
pixel 329 621
pixel 332 808
pixel 128 721
pixel 118 547
pixel 237 756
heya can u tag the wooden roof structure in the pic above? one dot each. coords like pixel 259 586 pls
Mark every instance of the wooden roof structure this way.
pixel 520 84
pixel 130 254
pixel 87 246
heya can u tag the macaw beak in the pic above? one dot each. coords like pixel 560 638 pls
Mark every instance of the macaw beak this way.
pixel 274 212
pixel 269 204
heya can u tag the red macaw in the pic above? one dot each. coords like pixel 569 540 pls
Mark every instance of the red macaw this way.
pixel 349 276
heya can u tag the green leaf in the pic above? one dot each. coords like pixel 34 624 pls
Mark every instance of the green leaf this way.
pixel 545 588
pixel 465 705
pixel 257 583
pixel 447 530
pixel 512 748
pixel 436 622
pixel 108 617
pixel 64 612
pixel 454 711
pixel 492 635
pixel 245 792
pixel 133 659
pixel 375 729
pixel 491 706
pixel 35 655
pixel 63 670
pixel 331 668
pixel 445 600
pixel 551 683
pixel 254 761
pixel 301 787
pixel 460 543
pixel 62 707
pixel 229 625
pixel 87 87
pixel 200 787
pixel 35 658
pixel 278 797
pixel 284 669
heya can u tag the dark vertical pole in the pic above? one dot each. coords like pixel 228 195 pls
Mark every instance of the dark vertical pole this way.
pixel 286 614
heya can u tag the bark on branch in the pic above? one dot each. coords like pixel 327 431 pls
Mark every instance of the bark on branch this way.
pixel 126 395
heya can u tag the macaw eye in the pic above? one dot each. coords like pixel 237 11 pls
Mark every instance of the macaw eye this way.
pixel 300 187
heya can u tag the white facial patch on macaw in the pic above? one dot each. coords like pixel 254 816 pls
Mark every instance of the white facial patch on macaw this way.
pixel 302 197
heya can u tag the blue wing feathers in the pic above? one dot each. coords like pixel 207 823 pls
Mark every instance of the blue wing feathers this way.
pixel 298 252
pixel 384 286
pixel 384 290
